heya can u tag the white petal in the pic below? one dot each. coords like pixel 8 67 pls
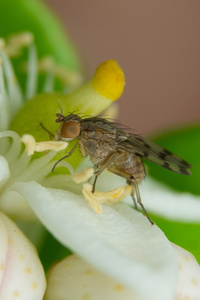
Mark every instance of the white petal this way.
pixel 74 278
pixel 189 275
pixel 15 205
pixel 4 245
pixel 120 242
pixel 157 198
pixel 171 204
pixel 21 273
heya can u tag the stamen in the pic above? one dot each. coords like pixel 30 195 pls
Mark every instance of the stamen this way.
pixel 70 78
pixel 32 146
pixel 87 192
pixel 97 198
pixel 21 39
pixel 38 169
pixel 4 103
pixel 20 164
pixel 32 75
pixel 46 65
pixel 16 42
pixel 22 168
pixel 14 91
pixel 83 176
pixel 15 148
pixel 49 83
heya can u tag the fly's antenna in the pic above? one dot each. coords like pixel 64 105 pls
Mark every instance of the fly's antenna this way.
pixel 59 102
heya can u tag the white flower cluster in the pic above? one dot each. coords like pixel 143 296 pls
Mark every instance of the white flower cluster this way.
pixel 119 254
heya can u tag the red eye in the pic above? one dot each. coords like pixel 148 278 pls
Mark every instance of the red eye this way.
pixel 70 130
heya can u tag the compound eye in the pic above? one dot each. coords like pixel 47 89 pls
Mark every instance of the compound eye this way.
pixel 70 130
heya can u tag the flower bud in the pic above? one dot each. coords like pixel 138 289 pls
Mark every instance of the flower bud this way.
pixel 21 273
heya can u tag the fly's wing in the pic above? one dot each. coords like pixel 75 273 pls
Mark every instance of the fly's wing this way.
pixel 152 152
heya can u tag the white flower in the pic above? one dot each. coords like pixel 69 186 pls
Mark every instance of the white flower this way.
pixel 74 278
pixel 120 242
pixel 21 273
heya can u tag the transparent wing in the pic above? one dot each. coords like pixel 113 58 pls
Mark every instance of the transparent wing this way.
pixel 153 152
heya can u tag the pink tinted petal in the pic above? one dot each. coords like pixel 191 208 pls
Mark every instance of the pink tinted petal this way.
pixel 188 275
pixel 23 276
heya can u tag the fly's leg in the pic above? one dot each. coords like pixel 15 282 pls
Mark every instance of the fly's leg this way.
pixel 69 154
pixel 51 135
pixel 131 181
pixel 137 192
pixel 116 171
pixel 104 165
pixel 133 197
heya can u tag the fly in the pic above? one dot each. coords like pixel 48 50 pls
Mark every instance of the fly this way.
pixel 111 147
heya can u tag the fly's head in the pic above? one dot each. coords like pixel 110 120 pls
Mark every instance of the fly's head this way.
pixel 69 129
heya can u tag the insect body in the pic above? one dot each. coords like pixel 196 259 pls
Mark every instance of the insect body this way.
pixel 111 147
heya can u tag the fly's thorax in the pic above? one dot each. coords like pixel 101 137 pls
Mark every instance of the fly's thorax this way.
pixel 98 151
pixel 130 164
pixel 97 139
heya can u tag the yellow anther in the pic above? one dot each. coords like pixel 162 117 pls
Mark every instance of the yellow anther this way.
pixel 109 80
pixel 96 199
pixel 21 39
pixel 32 146
pixel 83 175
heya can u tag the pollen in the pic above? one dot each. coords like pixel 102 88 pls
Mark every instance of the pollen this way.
pixel 109 80
pixel 118 287
pixel 186 258
pixel 15 294
pixel 194 281
pixel 86 297
pixel 89 272
pixel 21 256
pixel 28 270
pixel 34 285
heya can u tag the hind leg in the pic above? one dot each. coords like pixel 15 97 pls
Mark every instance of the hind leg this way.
pixel 139 200
pixel 135 189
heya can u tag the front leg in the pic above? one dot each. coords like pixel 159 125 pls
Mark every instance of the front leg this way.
pixel 69 154
pixel 51 135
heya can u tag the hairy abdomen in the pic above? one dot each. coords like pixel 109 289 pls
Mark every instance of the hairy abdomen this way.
pixel 130 165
